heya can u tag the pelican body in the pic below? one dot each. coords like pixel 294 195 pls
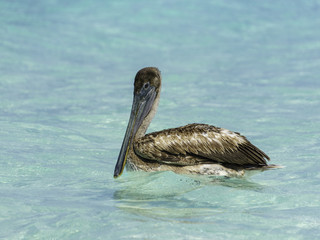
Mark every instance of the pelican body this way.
pixel 191 149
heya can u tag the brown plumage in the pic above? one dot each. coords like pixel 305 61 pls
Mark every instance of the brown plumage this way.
pixel 194 148
pixel 198 143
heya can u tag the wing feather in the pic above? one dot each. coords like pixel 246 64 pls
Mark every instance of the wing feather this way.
pixel 198 143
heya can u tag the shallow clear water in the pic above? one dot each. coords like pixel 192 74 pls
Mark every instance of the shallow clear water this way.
pixel 67 69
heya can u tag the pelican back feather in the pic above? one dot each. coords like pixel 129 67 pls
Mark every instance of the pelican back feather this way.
pixel 199 143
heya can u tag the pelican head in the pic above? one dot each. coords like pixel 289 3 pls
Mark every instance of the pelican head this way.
pixel 146 93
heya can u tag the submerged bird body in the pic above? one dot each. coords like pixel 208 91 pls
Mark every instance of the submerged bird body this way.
pixel 191 149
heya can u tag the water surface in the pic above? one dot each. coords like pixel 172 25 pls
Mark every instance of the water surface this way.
pixel 67 71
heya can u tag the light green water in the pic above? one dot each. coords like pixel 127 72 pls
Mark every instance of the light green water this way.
pixel 66 79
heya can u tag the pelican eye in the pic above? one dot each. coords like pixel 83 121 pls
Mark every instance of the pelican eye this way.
pixel 146 85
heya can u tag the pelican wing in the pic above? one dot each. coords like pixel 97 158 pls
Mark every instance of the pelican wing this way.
pixel 198 143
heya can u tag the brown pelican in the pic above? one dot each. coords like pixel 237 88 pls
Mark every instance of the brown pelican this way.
pixel 191 149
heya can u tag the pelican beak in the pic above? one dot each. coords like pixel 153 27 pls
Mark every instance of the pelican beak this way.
pixel 141 106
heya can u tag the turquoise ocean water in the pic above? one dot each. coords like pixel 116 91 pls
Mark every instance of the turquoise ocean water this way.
pixel 67 70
